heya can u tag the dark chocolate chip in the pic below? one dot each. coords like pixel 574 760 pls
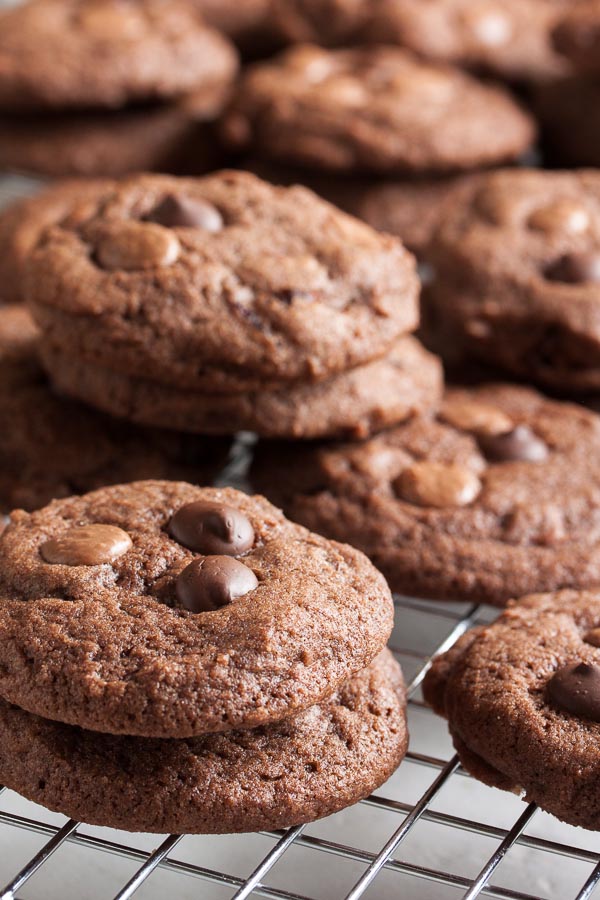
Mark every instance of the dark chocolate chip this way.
pixel 520 444
pixel 576 268
pixel 212 582
pixel 87 545
pixel 576 689
pixel 184 212
pixel 212 528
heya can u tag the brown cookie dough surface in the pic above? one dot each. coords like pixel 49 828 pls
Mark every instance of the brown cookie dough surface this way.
pixel 164 610
pixel 497 497
pixel 577 35
pixel 107 54
pixel 53 447
pixel 22 223
pixel 518 275
pixel 172 137
pixel 376 109
pixel 522 699
pixel 281 774
pixel 405 382
pixel 221 284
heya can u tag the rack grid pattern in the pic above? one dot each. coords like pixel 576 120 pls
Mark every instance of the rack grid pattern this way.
pixel 358 863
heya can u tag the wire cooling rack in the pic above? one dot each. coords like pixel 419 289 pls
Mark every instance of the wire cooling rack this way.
pixel 430 833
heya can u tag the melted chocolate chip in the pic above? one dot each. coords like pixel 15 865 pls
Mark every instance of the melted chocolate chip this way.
pixel 576 689
pixel 184 212
pixel 212 528
pixel 212 582
pixel 576 268
pixel 87 545
pixel 519 445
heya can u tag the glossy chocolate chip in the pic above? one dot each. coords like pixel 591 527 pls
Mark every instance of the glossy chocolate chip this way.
pixel 566 216
pixel 593 637
pixel 576 268
pixel 519 445
pixel 212 528
pixel 576 689
pixel 480 418
pixel 184 212
pixel 438 485
pixel 87 545
pixel 133 246
pixel 212 582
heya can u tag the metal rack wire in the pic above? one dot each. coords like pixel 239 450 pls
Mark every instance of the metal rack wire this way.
pixel 430 833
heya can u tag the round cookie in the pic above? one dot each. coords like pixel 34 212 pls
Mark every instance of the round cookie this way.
pixel 376 109
pixel 173 137
pixel 163 610
pixel 22 223
pixel 107 54
pixel 509 38
pixel 495 498
pixel 518 275
pixel 221 284
pixel 308 766
pixel 82 449
pixel 522 699
pixel 355 404
pixel 577 35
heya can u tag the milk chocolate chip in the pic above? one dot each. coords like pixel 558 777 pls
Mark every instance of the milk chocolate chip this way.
pixel 87 545
pixel 564 216
pixel 213 581
pixel 520 444
pixel 137 245
pixel 212 528
pixel 479 418
pixel 576 689
pixel 576 268
pixel 437 484
pixel 184 212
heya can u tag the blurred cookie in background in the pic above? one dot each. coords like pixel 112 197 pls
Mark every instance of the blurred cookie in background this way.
pixel 373 110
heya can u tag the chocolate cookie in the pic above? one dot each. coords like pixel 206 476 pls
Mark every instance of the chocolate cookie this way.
pixel 278 775
pixel 375 109
pixel 355 404
pixel 174 137
pixel 107 54
pixel 51 447
pixel 577 35
pixel 22 223
pixel 497 497
pixel 221 284
pixel 518 275
pixel 509 38
pixel 164 610
pixel 522 699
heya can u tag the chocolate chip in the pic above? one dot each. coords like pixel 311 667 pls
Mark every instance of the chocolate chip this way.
pixel 185 212
pixel 212 528
pixel 519 445
pixel 566 216
pixel 438 485
pixel 480 418
pixel 87 545
pixel 593 637
pixel 137 245
pixel 576 268
pixel 213 582
pixel 576 689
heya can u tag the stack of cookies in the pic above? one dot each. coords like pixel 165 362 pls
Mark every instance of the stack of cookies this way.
pixel 177 659
pixel 109 86
pixel 225 304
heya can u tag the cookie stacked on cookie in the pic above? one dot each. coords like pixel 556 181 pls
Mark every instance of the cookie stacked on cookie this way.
pixel 102 87
pixel 225 304
pixel 189 660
